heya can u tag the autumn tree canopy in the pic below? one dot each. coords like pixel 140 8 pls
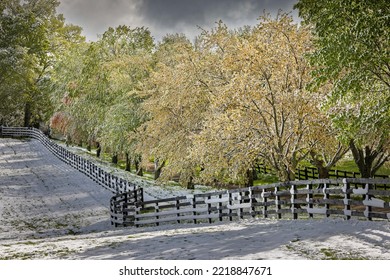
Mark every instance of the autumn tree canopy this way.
pixel 263 110
pixel 209 110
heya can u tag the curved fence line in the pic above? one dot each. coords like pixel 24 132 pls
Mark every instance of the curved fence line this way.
pixel 105 179
pixel 347 198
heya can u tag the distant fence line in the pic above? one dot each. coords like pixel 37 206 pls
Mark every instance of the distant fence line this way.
pixel 105 179
pixel 307 173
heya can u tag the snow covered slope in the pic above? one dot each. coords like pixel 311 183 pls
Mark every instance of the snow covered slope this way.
pixel 48 210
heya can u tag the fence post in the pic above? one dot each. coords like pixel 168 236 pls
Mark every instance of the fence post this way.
pixel 240 212
pixel 137 207
pixel 209 209
pixel 252 200
pixel 326 198
pixel 230 209
pixel 220 208
pixel 124 208
pixel 309 198
pixel 141 194
pixel 347 199
pixel 178 208
pixel 264 200
pixel 113 211
pixel 106 181
pixel 277 203
pixel 293 192
pixel 194 208
pixel 157 211
pixel 138 197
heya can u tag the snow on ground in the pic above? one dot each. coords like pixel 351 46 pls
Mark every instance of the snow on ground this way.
pixel 49 210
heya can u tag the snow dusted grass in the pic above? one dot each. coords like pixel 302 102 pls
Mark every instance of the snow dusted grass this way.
pixel 48 210
pixel 152 189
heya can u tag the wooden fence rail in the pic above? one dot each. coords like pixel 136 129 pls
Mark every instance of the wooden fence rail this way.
pixel 122 205
pixel 307 173
pixel 105 179
pixel 348 197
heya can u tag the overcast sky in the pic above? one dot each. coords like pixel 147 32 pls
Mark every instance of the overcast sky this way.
pixel 167 16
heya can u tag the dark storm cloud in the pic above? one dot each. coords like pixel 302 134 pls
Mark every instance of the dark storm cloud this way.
pixel 167 16
pixel 170 12
pixel 95 16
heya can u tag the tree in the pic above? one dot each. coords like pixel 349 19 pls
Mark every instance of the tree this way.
pixel 128 64
pixel 263 111
pixel 352 52
pixel 326 150
pixel 64 83
pixel 101 85
pixel 175 105
pixel 28 48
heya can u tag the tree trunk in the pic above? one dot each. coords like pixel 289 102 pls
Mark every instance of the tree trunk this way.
pixel 282 170
pixel 128 162
pixel 286 174
pixel 140 172
pixel 249 178
pixel 27 114
pixel 98 149
pixel 158 168
pixel 138 168
pixel 189 184
pixel 367 159
pixel 114 159
pixel 68 140
pixel 323 171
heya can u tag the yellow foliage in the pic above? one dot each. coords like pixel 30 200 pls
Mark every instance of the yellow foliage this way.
pixel 232 99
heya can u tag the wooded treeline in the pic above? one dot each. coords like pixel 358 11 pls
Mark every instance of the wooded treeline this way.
pixel 209 110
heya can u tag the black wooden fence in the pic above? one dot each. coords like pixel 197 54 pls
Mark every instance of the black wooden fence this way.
pixel 307 173
pixel 296 199
pixel 123 204
pixel 105 179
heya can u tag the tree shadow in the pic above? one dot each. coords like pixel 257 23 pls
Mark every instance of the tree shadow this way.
pixel 270 240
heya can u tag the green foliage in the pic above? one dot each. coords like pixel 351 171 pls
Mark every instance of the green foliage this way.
pixel 352 54
pixel 99 87
pixel 30 40
pixel 353 42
